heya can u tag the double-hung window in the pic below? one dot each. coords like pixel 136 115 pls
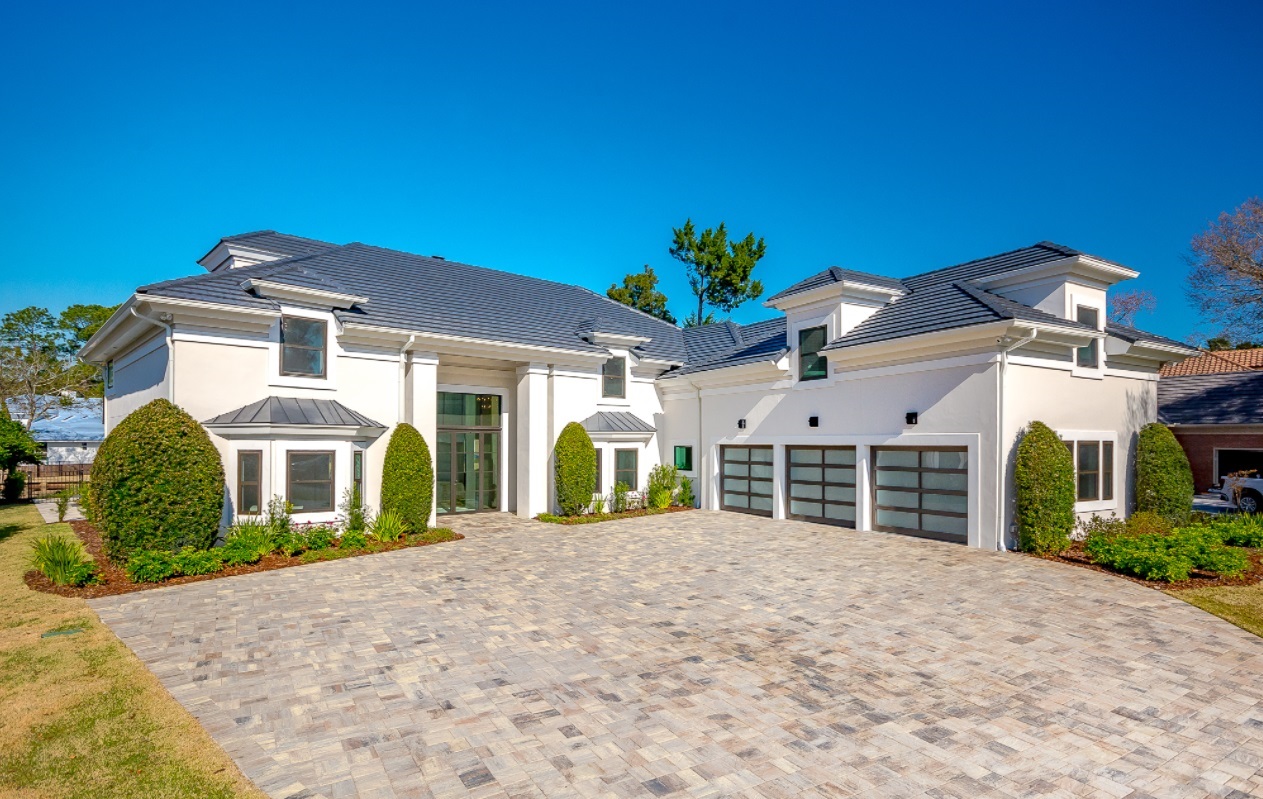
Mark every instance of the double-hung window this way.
pixel 600 456
pixel 249 481
pixel 303 346
pixel 1089 355
pixel 1093 469
pixel 626 463
pixel 614 378
pixel 811 364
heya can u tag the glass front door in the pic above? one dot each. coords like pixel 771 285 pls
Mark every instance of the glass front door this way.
pixel 467 462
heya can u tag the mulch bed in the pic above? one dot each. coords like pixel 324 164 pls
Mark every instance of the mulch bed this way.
pixel 593 518
pixel 1075 556
pixel 114 579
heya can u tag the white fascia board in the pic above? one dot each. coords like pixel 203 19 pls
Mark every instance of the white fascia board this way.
pixel 287 293
pixel 846 291
pixel 621 340
pixel 1083 266
pixel 746 374
pixel 265 431
pixel 110 330
pixel 481 348
pixel 621 436
pixel 937 340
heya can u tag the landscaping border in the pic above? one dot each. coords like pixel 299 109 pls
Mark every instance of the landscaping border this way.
pixel 597 518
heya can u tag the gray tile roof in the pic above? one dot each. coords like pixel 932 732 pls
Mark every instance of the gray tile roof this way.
pixel 295 411
pixel 1230 398
pixel 616 422
pixel 1041 253
pixel 836 274
pixel 414 293
pixel 281 244
pixel 727 344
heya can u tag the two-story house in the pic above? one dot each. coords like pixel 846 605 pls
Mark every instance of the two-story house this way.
pixel 868 401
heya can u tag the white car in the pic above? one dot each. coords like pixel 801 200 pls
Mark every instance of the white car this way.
pixel 1246 491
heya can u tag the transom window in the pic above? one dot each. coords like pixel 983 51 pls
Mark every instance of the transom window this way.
pixel 1088 355
pixel 614 378
pixel 310 479
pixel 811 364
pixel 302 346
pixel 625 467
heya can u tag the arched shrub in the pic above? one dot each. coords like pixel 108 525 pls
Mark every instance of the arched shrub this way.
pixel 157 483
pixel 1164 481
pixel 408 478
pixel 1044 478
pixel 574 459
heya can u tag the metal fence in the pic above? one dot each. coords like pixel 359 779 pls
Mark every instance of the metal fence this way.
pixel 45 480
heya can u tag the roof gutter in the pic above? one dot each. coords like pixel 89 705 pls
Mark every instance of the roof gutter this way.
pixel 1001 477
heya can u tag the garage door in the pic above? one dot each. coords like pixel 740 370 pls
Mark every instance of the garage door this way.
pixel 822 484
pixel 1238 460
pixel 747 479
pixel 922 492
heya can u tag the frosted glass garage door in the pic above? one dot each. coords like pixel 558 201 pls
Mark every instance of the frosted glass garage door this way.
pixel 745 479
pixel 922 492
pixel 821 484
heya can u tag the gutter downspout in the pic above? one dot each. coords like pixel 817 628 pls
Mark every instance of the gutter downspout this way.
pixel 1001 477
pixel 170 335
pixel 403 376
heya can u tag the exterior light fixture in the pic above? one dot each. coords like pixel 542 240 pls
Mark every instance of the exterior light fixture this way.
pixel 741 424
pixel 910 417
pixel 813 421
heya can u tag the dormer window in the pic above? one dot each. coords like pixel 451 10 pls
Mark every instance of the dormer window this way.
pixel 303 346
pixel 811 364
pixel 613 378
pixel 1088 356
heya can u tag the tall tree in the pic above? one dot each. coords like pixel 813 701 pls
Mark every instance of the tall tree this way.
pixel 719 271
pixel 1225 281
pixel 37 365
pixel 640 291
pixel 1127 305
pixel 80 322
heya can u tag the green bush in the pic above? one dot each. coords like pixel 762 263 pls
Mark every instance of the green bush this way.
pixel 574 462
pixel 157 483
pixel 1044 478
pixel 14 486
pixel 619 503
pixel 63 498
pixel 1239 530
pixel 1166 558
pixel 320 536
pixel 354 515
pixel 662 480
pixel 150 566
pixel 278 518
pixel 388 527
pixel 248 541
pixel 408 478
pixel 686 498
pixel 1164 481
pixel 193 562
pixel 62 560
pixel 598 505
pixel 353 540
pixel 290 543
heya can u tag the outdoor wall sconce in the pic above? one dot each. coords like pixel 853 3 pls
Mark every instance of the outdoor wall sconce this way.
pixel 741 424
pixel 910 417
pixel 813 421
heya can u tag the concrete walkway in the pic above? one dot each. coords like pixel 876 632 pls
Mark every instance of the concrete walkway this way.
pixel 706 654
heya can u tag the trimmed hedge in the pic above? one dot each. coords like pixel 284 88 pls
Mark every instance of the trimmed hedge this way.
pixel 1164 481
pixel 1044 477
pixel 157 483
pixel 574 460
pixel 408 478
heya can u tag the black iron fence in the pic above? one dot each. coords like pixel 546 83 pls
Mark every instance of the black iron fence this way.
pixel 45 480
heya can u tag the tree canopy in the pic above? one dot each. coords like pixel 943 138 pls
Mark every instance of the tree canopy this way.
pixel 719 271
pixel 640 291
pixel 1225 281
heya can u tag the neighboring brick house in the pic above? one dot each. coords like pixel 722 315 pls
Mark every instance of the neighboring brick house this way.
pixel 1217 418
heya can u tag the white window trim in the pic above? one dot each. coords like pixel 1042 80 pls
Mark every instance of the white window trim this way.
pixel 624 402
pixel 691 473
pixel 1097 505
pixel 329 382
pixel 825 319
pixel 1097 372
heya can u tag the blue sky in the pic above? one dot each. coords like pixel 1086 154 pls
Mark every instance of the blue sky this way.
pixel 566 141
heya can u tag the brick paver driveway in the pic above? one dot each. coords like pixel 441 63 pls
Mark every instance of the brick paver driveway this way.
pixel 706 654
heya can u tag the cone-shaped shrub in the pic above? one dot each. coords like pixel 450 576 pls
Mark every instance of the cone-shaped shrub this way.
pixel 1044 478
pixel 157 483
pixel 1164 481
pixel 408 478
pixel 574 459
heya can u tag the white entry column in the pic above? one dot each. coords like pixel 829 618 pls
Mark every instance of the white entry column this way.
pixel 532 440
pixel 864 487
pixel 423 373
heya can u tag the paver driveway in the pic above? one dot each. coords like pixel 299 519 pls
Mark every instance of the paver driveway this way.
pixel 705 654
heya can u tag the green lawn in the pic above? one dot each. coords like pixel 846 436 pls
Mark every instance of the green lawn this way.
pixel 82 717
pixel 1241 605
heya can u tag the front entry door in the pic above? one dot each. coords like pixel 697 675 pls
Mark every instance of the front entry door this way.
pixel 468 471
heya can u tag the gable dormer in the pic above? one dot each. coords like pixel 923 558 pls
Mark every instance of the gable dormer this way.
pixel 248 249
pixel 1061 286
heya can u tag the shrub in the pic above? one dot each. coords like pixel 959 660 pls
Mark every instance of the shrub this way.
pixel 1239 530
pixel 157 483
pixel 14 486
pixel 353 540
pixel 388 527
pixel 574 462
pixel 1167 558
pixel 1148 523
pixel 598 505
pixel 354 515
pixel 278 516
pixel 63 498
pixel 686 498
pixel 662 480
pixel 1164 481
pixel 290 543
pixel 62 560
pixel 619 503
pixel 408 478
pixel 319 536
pixel 1044 478
pixel 248 541
pixel 150 566
pixel 193 562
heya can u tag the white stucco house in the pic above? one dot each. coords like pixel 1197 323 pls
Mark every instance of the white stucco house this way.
pixel 867 401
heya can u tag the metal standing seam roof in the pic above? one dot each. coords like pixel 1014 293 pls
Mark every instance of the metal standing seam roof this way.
pixel 1230 398
pixel 616 422
pixel 295 411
